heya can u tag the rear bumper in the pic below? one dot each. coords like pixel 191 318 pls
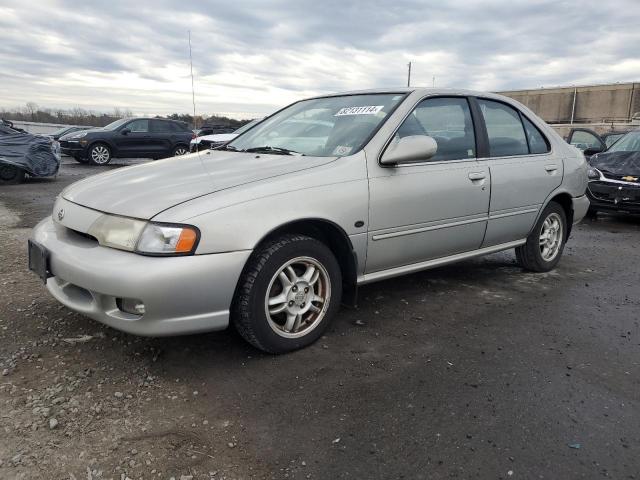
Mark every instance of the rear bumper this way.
pixel 580 207
pixel 181 295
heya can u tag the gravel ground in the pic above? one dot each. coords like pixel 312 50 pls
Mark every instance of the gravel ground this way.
pixel 476 370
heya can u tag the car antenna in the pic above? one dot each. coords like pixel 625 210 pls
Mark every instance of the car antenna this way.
pixel 193 92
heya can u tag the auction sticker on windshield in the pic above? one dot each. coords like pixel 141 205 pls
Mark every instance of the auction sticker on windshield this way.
pixel 365 110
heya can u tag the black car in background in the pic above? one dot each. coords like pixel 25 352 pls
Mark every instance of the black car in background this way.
pixel 66 130
pixel 129 137
pixel 614 176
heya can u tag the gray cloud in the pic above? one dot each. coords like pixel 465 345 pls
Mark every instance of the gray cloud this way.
pixel 253 56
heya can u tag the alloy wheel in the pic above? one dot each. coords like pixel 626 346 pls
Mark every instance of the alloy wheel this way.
pixel 298 297
pixel 180 151
pixel 100 154
pixel 551 235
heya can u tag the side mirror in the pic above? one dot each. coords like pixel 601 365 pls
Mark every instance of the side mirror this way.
pixel 592 150
pixel 413 148
pixel 125 131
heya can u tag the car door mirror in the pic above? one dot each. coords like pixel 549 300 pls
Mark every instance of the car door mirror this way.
pixel 414 148
pixel 125 131
pixel 592 150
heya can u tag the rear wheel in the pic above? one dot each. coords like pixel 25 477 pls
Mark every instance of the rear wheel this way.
pixel 99 154
pixel 288 294
pixel 180 150
pixel 545 244
pixel 11 175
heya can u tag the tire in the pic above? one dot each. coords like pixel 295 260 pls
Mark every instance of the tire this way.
pixel 539 257
pixel 297 317
pixel 99 154
pixel 592 213
pixel 11 175
pixel 180 150
pixel 80 159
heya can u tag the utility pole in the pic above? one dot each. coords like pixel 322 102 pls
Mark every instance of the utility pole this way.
pixel 409 75
pixel 193 92
pixel 434 81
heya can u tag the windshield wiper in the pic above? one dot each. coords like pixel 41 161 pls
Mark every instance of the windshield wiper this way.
pixel 231 148
pixel 276 150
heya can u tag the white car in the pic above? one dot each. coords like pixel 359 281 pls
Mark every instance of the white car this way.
pixel 206 142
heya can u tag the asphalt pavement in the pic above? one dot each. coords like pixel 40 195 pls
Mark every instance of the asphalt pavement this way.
pixel 475 370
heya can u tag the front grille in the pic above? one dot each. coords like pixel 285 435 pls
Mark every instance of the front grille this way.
pixel 621 178
pixel 86 236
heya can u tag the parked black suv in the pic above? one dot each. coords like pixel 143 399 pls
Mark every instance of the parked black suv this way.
pixel 128 137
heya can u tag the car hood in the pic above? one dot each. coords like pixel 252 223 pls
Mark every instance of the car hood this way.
pixel 617 163
pixel 218 137
pixel 143 191
pixel 69 136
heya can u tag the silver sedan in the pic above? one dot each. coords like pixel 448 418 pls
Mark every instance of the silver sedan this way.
pixel 277 228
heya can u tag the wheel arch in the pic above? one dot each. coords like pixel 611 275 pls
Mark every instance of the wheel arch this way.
pixel 565 200
pixel 334 237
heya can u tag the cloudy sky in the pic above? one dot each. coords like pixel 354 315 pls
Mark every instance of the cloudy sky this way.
pixel 250 57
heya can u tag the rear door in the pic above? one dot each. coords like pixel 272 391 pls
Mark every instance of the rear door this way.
pixel 162 138
pixel 524 170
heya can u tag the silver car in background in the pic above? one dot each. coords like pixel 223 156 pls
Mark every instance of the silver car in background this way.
pixel 279 227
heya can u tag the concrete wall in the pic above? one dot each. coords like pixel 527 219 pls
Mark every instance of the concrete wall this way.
pixel 598 103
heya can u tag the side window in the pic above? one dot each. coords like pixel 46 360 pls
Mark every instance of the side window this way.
pixel 159 126
pixel 448 122
pixel 138 126
pixel 504 128
pixel 537 142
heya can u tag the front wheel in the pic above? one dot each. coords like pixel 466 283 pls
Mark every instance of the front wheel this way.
pixel 99 154
pixel 290 290
pixel 545 244
pixel 11 175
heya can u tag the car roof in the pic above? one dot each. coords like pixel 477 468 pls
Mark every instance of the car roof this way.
pixel 424 90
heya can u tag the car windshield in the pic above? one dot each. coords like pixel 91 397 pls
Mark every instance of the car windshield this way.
pixel 321 127
pixel 116 124
pixel 246 127
pixel 629 143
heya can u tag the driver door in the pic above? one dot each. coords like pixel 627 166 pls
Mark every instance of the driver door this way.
pixel 433 208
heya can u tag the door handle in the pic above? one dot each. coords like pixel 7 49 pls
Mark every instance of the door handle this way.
pixel 551 168
pixel 477 176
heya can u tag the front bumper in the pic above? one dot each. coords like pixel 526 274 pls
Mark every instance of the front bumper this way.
pixel 614 196
pixel 72 148
pixel 181 295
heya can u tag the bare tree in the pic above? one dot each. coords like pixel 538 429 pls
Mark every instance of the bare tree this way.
pixel 32 108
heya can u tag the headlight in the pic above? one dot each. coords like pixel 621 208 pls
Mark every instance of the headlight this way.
pixel 593 173
pixel 144 237
pixel 117 232
pixel 79 135
pixel 159 239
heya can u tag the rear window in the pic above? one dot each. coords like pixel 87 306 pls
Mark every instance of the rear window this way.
pixel 504 128
pixel 537 142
